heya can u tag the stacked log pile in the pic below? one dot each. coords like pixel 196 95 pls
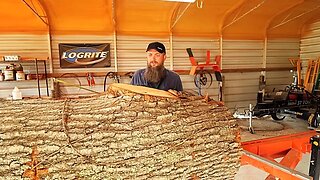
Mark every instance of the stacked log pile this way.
pixel 118 136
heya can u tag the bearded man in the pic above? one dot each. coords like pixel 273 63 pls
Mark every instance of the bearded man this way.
pixel 156 75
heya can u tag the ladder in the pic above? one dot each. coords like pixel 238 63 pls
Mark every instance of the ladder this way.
pixel 316 89
pixel 311 74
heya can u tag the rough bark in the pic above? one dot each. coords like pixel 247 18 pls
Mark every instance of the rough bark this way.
pixel 121 135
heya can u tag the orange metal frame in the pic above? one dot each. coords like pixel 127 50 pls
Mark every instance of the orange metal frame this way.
pixel 215 66
pixel 261 154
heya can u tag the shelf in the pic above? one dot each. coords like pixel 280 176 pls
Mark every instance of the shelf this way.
pixel 35 61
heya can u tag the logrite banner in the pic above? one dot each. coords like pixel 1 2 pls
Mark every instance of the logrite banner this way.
pixel 81 55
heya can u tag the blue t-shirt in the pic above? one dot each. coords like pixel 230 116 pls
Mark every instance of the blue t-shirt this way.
pixel 171 81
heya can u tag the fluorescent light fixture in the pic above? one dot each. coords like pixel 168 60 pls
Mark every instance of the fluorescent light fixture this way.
pixel 190 1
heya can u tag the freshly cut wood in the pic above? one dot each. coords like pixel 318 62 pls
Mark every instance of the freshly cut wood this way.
pixel 140 90
pixel 121 135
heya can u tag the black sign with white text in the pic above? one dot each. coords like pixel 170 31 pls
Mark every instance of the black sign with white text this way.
pixel 84 55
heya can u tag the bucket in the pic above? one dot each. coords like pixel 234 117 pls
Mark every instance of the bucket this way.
pixel 20 76
pixel 8 75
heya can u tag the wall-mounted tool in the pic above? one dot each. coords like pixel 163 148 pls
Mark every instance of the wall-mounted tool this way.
pixel 90 79
pixel 202 77
pixel 111 75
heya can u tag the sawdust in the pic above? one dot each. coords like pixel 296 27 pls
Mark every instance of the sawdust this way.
pixel 266 127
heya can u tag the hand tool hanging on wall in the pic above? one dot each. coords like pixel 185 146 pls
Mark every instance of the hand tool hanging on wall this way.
pixel 62 90
pixel 90 79
pixel 111 75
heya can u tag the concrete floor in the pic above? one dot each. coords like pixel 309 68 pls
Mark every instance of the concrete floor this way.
pixel 264 128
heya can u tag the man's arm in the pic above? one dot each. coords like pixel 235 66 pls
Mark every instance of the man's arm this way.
pixel 179 84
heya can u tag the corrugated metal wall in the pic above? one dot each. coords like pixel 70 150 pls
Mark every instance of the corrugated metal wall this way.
pixel 278 53
pixel 240 87
pixel 26 46
pixel 310 44
pixel 67 89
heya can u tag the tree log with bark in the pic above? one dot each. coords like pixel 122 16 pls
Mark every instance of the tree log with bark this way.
pixel 128 133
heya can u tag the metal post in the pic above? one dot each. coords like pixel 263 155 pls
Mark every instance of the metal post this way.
pixel 250 120
pixel 37 73
pixel 314 168
pixel 46 75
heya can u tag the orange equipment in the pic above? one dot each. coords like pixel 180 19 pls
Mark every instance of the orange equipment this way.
pixel 311 74
pixel 215 66
pixel 203 77
pixel 261 154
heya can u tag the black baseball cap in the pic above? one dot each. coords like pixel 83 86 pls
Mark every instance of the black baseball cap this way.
pixel 157 46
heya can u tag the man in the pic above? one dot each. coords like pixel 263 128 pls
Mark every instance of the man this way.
pixel 156 75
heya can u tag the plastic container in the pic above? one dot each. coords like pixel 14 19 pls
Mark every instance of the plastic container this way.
pixel 20 76
pixel 16 93
pixel 8 75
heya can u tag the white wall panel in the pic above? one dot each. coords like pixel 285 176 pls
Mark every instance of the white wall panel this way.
pixel 240 89
pixel 310 44
pixel 239 54
pixel 278 53
pixel 132 52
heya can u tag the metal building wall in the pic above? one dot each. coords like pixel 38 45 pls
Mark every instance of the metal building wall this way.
pixel 71 75
pixel 240 88
pixel 278 53
pixel 310 44
pixel 131 52
pixel 131 56
pixel 26 46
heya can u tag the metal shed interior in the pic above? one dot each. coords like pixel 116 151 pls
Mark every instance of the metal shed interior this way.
pixel 253 36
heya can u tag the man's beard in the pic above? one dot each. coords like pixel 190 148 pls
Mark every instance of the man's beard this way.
pixel 154 74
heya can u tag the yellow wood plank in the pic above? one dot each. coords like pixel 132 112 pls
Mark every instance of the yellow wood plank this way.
pixel 142 90
pixel 193 70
